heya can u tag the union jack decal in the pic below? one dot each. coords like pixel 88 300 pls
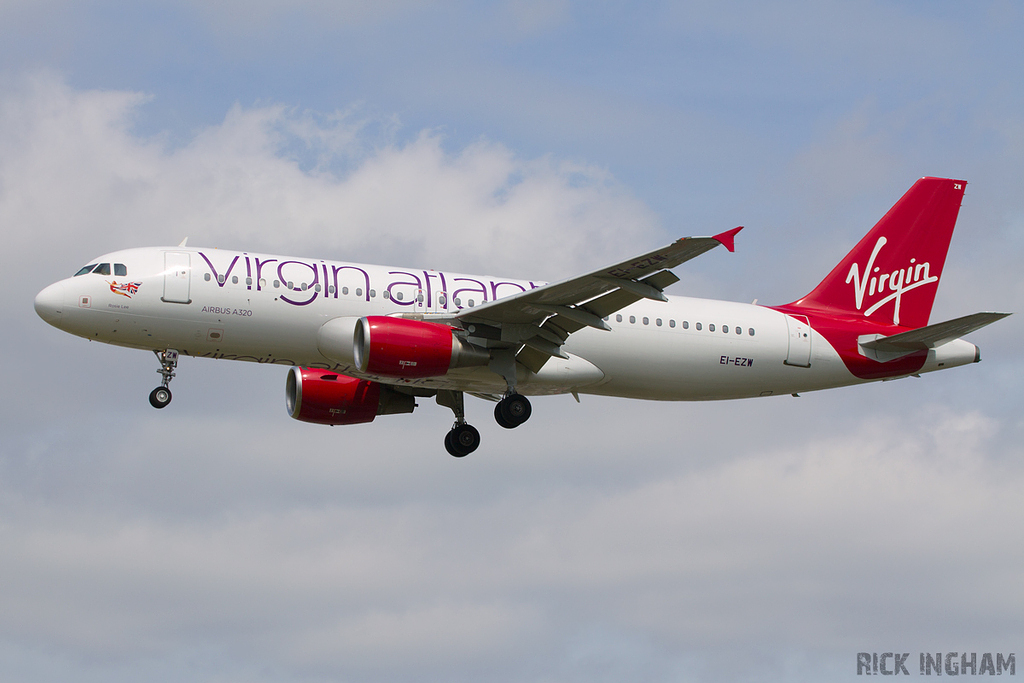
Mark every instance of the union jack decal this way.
pixel 125 288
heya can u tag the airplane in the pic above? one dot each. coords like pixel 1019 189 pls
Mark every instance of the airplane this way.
pixel 363 340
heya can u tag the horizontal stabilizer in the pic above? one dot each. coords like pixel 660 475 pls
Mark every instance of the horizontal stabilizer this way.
pixel 933 335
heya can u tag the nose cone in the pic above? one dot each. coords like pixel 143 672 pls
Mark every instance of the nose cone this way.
pixel 50 303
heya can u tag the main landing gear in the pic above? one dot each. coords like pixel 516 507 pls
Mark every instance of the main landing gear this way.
pixel 161 396
pixel 463 438
pixel 512 411
pixel 514 408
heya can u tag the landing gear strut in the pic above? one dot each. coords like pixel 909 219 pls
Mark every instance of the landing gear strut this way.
pixel 512 411
pixel 161 396
pixel 463 438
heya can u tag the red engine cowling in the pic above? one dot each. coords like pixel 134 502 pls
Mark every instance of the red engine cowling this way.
pixel 326 397
pixel 396 347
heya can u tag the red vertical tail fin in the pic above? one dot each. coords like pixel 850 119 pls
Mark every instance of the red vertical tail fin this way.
pixel 891 276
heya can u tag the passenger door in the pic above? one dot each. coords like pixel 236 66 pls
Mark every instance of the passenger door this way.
pixel 177 275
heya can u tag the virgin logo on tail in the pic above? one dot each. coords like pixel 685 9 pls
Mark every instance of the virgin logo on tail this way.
pixel 897 282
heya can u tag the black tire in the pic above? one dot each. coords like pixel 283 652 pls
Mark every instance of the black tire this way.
pixel 462 440
pixel 499 417
pixel 448 446
pixel 515 409
pixel 160 397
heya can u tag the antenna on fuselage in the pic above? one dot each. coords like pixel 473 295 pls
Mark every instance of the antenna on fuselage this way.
pixel 184 242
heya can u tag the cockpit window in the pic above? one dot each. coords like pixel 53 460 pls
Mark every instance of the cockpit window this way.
pixel 86 269
pixel 120 270
pixel 102 269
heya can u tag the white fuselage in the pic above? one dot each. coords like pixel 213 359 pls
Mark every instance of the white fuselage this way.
pixel 268 309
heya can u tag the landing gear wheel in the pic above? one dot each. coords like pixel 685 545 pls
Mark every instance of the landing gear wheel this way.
pixel 160 397
pixel 462 440
pixel 512 411
pixel 499 417
pixel 450 447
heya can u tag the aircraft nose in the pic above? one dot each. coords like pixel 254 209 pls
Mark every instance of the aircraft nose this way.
pixel 50 303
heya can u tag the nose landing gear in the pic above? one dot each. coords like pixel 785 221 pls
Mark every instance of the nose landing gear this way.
pixel 161 396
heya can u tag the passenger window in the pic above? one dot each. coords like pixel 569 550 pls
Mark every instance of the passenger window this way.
pixel 386 294
pixel 686 324
pixel 263 282
pixel 316 287
pixel 618 317
pixel 725 329
pixel 632 319
pixel 671 323
pixel 344 290
pixel 471 303
pixel 206 276
pixel 698 326
pixel 277 283
pixel 646 320
pixel 234 280
pixel 373 292
pixel 458 301
pixel 291 286
pixel 248 281
pixel 751 330
pixel 120 270
pixel 86 269
pixel 220 279
pixel 330 290
pixel 399 296
pixel 102 269
pixel 711 327
pixel 739 330
pixel 658 322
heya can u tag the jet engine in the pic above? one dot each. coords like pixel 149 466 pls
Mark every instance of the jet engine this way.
pixel 397 347
pixel 326 397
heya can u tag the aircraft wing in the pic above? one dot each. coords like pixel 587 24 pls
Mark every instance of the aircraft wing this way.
pixel 542 319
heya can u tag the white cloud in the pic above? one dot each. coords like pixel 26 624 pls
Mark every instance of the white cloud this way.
pixel 269 177
pixel 806 546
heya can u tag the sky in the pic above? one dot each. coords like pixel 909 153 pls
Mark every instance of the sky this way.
pixel 611 540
